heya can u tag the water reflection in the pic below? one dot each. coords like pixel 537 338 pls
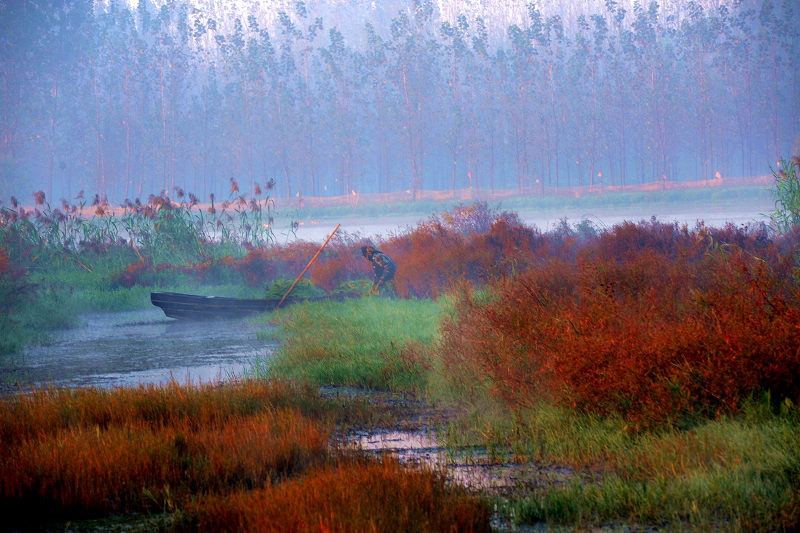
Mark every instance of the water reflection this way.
pixel 474 467
pixel 125 349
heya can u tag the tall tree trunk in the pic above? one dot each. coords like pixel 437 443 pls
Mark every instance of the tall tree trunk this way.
pixel 412 142
pixel 52 154
pixel 164 149
pixel 309 128
pixel 127 119
pixel 284 162
pixel 100 183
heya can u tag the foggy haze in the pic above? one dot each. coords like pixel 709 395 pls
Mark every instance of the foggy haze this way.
pixel 338 98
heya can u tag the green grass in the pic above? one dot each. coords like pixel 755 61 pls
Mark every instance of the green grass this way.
pixel 32 315
pixel 367 342
pixel 303 289
pixel 737 473
pixel 732 474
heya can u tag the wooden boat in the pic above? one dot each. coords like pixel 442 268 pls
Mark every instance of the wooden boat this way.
pixel 194 307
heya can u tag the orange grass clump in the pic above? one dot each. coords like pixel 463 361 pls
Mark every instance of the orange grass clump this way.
pixel 346 497
pixel 90 451
pixel 249 455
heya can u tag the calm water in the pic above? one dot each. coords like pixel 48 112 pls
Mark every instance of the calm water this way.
pixel 383 227
pixel 125 349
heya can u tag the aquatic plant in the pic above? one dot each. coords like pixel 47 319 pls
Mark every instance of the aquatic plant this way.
pixel 787 194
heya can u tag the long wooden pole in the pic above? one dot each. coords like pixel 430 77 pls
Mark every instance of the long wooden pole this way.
pixel 308 265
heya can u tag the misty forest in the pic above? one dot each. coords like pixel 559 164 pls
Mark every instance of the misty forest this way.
pixel 127 100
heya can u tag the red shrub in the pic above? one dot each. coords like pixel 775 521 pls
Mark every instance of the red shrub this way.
pixel 257 267
pixel 649 321
pixel 292 258
pixel 437 254
pixel 342 265
pixel 422 256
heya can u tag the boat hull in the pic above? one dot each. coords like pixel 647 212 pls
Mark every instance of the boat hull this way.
pixel 194 307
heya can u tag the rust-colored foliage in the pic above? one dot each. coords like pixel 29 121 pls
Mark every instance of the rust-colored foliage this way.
pixel 263 265
pixel 5 265
pixel 346 497
pixel 650 321
pixel 471 244
pixel 257 266
pixel 133 274
pixel 246 455
pixel 89 451
pixel 330 272
pixel 339 263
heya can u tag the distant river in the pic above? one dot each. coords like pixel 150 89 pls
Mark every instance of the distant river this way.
pixel 713 216
pixel 125 349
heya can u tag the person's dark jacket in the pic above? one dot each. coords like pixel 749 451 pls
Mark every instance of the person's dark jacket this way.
pixel 382 264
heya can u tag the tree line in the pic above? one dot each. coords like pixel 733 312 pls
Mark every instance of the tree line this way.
pixel 128 101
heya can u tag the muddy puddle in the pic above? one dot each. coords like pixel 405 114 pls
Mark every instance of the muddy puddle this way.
pixel 415 439
pixel 125 349
pixel 474 468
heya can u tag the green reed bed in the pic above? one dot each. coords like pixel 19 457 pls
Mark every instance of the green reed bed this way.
pixel 366 342
pixel 735 473
pixel 56 262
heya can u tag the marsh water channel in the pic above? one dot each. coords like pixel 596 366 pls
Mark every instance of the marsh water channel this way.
pixel 128 348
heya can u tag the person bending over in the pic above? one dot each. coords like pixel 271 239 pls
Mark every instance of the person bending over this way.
pixel 382 264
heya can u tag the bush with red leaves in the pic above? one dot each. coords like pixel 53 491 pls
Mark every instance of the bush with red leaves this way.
pixel 650 321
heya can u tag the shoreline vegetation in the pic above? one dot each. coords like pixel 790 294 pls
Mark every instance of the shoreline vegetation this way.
pixel 59 261
pixel 659 364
